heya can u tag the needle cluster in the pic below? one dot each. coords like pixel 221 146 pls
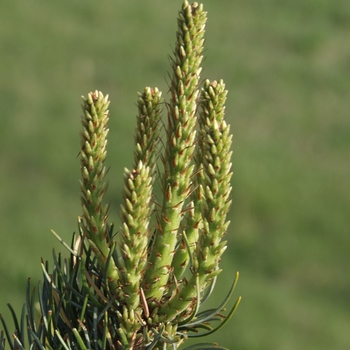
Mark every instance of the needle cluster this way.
pixel 142 286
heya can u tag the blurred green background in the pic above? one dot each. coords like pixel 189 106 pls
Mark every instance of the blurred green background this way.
pixel 286 64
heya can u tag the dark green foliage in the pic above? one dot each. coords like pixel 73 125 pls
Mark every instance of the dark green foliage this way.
pixel 74 309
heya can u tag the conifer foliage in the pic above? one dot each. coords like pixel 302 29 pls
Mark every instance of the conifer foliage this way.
pixel 142 286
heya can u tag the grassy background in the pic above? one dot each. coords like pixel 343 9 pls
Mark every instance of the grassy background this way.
pixel 287 67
